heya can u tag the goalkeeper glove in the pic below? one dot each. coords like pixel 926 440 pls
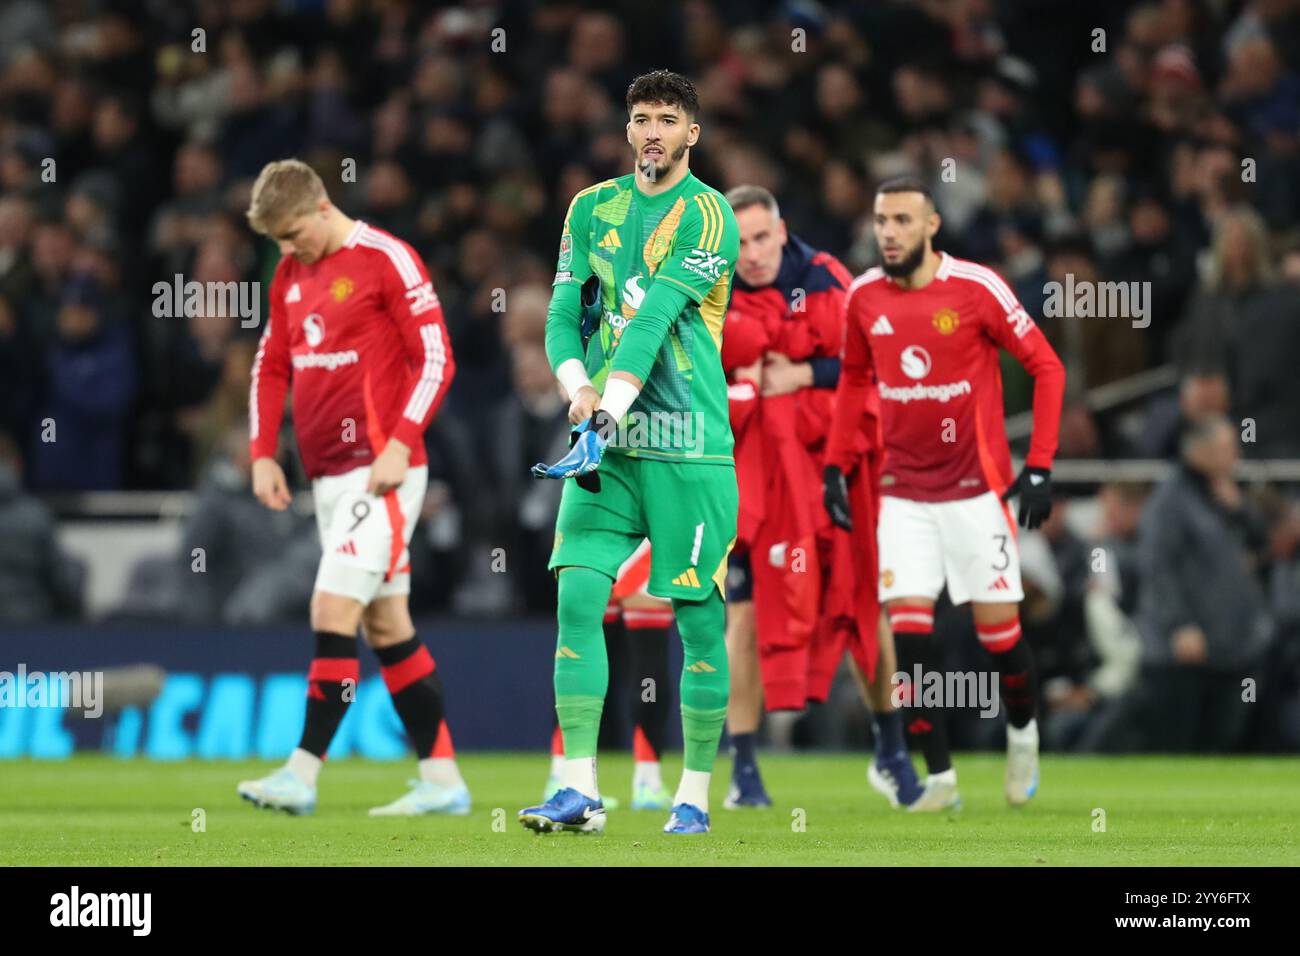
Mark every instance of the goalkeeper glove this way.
pixel 587 448
pixel 589 320
pixel 835 497
pixel 1034 486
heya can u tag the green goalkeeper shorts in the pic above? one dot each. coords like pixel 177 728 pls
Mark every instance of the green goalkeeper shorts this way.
pixel 686 509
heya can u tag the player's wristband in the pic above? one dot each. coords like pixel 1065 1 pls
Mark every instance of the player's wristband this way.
pixel 573 376
pixel 618 398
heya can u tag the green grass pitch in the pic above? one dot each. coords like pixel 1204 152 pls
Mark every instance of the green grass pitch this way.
pixel 98 811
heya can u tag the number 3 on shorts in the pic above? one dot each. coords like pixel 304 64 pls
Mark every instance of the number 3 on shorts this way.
pixel 1004 559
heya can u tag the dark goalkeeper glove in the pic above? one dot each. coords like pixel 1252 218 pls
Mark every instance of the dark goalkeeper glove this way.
pixel 1034 486
pixel 835 497
pixel 589 300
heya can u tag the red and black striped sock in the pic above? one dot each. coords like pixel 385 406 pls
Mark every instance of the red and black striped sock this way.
pixel 412 679
pixel 927 727
pixel 331 687
pixel 1015 666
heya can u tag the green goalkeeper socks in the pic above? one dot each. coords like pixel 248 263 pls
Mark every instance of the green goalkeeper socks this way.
pixel 582 667
pixel 705 677
pixel 581 662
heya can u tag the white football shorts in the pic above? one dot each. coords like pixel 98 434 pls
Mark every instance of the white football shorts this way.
pixel 358 532
pixel 970 544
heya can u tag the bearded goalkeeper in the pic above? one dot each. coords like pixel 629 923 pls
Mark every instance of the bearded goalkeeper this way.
pixel 634 334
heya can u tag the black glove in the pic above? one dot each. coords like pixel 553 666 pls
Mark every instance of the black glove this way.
pixel 591 480
pixel 589 300
pixel 835 497
pixel 1034 486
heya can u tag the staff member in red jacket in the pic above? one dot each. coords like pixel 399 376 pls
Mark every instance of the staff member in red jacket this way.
pixel 793 604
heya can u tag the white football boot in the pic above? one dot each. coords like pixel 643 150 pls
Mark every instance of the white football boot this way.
pixel 1022 763
pixel 281 790
pixel 939 794
pixel 425 797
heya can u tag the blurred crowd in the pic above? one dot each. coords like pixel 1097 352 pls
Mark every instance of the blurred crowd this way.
pixel 1112 141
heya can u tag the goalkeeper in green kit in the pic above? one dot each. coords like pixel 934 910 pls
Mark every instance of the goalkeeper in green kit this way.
pixel 634 334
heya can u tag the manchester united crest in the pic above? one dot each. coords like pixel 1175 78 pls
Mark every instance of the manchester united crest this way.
pixel 659 247
pixel 945 320
pixel 341 288
pixel 660 242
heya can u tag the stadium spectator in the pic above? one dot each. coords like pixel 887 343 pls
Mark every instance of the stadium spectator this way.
pixel 1236 281
pixel 1203 391
pixel 240 563
pixel 1247 321
pixel 1121 503
pixel 1260 88
pixel 92 380
pixel 15 232
pixel 1278 727
pixel 181 222
pixel 20 370
pixel 1202 611
pixel 38 580
pixel 1103 722
pixel 52 250
pixel 531 425
pixel 126 154
pixel 1096 351
pixel 1159 258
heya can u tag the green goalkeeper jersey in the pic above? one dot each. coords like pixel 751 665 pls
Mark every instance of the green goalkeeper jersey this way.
pixel 685 241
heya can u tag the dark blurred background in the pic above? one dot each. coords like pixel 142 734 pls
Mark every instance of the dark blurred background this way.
pixel 1109 141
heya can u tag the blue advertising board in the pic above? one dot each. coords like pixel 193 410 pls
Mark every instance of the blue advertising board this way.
pixel 241 693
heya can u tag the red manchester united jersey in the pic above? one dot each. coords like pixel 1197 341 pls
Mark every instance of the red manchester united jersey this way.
pixel 933 352
pixel 360 336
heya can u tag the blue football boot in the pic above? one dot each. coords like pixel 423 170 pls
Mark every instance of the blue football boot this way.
pixel 566 810
pixel 687 818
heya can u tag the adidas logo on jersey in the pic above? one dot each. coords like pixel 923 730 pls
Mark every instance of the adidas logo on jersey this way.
pixel 347 547
pixel 611 240
pixel 881 326
pixel 687 579
pixel 1000 584
pixel 294 294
